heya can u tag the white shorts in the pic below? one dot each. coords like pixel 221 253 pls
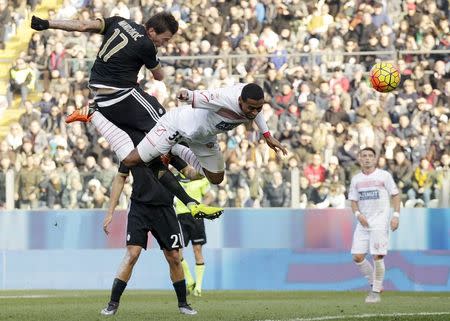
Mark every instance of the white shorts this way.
pixel 157 142
pixel 209 155
pixel 161 138
pixel 375 242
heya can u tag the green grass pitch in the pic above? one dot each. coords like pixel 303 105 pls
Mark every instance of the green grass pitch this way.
pixel 224 305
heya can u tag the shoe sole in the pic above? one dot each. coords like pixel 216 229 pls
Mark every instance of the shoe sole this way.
pixel 84 120
pixel 209 216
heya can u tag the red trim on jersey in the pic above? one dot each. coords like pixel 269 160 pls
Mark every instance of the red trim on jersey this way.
pixel 207 99
pixel 374 183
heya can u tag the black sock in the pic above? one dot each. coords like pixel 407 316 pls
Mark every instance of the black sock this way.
pixel 180 290
pixel 171 183
pixel 117 290
pixel 178 163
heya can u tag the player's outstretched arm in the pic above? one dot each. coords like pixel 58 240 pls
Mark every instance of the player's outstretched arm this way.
pixel 212 99
pixel 273 143
pixel 67 25
pixel 116 190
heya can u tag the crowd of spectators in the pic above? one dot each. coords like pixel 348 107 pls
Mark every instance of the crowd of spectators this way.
pixel 12 15
pixel 318 102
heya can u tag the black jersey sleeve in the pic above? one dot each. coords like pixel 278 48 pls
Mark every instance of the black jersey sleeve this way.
pixel 123 169
pixel 149 55
pixel 108 22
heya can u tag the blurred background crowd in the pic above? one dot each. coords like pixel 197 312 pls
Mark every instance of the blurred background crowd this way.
pixel 318 102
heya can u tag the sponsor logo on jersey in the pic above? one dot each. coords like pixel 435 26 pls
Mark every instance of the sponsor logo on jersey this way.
pixel 369 195
pixel 226 126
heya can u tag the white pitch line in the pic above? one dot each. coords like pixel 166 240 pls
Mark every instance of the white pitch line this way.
pixel 363 316
pixel 30 296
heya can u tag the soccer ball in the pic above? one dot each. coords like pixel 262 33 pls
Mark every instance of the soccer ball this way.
pixel 384 77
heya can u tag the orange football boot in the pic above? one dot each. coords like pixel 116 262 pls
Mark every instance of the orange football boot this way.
pixel 83 114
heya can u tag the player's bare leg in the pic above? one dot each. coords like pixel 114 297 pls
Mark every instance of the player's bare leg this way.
pixel 123 276
pixel 177 276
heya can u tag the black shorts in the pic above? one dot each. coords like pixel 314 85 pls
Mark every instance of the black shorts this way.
pixel 193 229
pixel 132 110
pixel 160 220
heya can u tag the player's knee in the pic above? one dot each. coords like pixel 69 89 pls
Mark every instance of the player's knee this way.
pixel 173 258
pixel 215 178
pixel 358 258
pixel 132 159
pixel 132 257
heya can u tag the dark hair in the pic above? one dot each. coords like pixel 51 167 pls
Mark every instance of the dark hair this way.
pixel 252 91
pixel 370 149
pixel 162 22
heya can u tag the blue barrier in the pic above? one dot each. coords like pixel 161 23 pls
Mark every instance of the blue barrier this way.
pixel 270 249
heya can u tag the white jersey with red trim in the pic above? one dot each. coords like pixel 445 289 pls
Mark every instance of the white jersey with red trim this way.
pixel 212 112
pixel 373 193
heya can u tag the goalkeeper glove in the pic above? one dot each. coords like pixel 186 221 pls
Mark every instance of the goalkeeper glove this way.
pixel 39 24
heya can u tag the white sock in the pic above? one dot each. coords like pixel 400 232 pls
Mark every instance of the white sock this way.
pixel 188 156
pixel 119 140
pixel 379 275
pixel 366 270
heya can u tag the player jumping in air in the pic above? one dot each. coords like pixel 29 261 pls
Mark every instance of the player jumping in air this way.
pixel 121 104
pixel 370 194
pixel 211 112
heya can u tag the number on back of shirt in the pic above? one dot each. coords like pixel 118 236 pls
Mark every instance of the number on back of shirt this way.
pixel 106 53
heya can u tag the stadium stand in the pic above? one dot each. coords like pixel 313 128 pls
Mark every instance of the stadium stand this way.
pixel 312 61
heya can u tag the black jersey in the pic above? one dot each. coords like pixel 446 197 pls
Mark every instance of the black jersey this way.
pixel 125 48
pixel 146 188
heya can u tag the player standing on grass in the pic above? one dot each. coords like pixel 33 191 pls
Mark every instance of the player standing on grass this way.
pixel 121 104
pixel 211 112
pixel 151 209
pixel 370 194
pixel 194 231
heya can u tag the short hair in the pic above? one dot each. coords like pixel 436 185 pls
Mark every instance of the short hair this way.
pixel 162 22
pixel 370 149
pixel 252 91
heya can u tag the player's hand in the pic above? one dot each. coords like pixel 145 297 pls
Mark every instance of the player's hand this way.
pixel 183 95
pixel 39 24
pixel 363 220
pixel 275 145
pixel 394 223
pixel 106 222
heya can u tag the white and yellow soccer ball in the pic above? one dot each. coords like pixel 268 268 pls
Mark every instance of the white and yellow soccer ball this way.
pixel 384 77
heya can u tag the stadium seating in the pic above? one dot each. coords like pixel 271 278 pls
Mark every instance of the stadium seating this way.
pixel 312 62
